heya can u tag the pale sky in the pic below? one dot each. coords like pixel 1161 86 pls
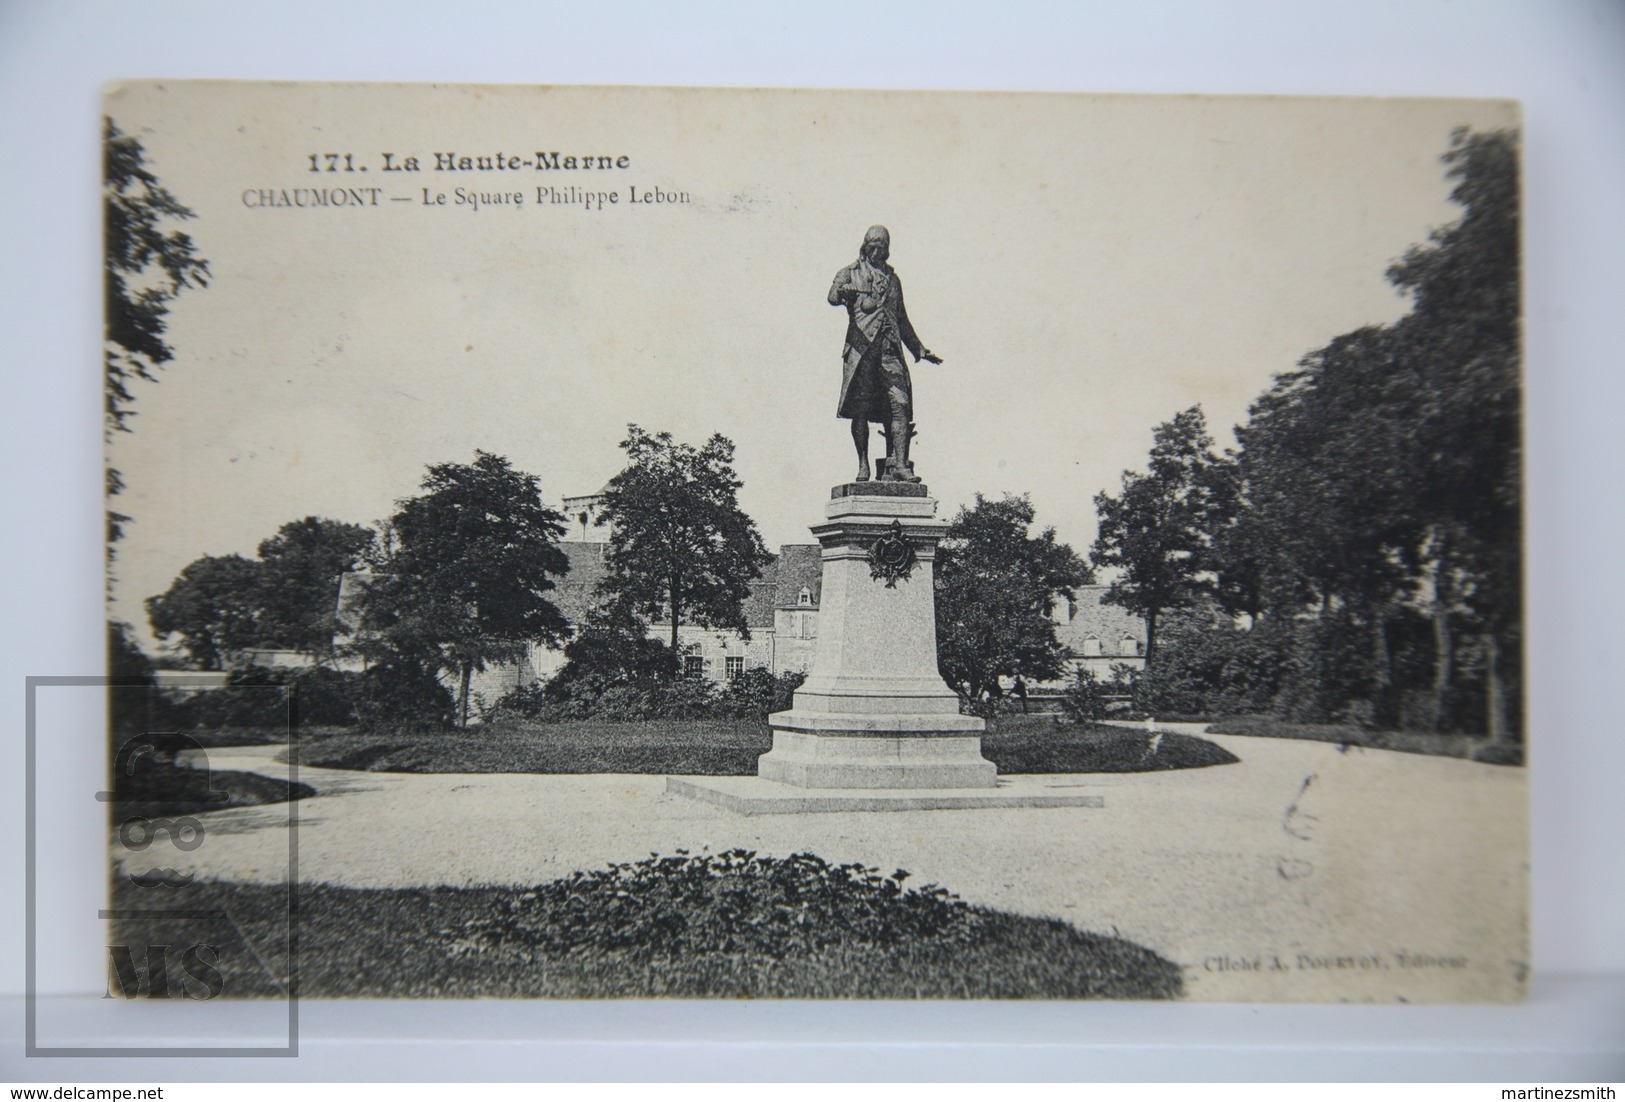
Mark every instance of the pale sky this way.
pixel 1086 265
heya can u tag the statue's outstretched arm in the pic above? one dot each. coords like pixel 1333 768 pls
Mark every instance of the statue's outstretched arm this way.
pixel 911 339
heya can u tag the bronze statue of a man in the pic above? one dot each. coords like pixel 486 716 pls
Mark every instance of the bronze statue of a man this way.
pixel 875 384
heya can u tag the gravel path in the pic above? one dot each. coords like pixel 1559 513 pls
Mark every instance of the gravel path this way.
pixel 1303 872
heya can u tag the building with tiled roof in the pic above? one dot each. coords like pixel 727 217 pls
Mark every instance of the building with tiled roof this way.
pixel 1096 635
pixel 577 592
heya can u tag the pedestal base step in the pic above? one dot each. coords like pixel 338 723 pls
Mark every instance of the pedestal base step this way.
pixel 755 796
pixel 850 758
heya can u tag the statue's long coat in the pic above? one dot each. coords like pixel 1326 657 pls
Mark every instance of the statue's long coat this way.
pixel 877 330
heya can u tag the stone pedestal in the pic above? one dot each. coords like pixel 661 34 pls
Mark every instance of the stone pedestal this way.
pixel 874 728
pixel 874 712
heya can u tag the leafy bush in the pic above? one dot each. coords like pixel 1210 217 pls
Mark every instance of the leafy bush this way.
pixel 742 912
pixel 612 649
pixel 725 902
pixel 1085 699
pixel 1325 669
pixel 989 707
pixel 525 702
pixel 738 924
pixel 327 698
pixel 612 670
pixel 682 698
pixel 1320 669
pixel 757 692
pixel 633 934
pixel 649 690
pixel 579 699
pixel 404 696
pixel 1204 665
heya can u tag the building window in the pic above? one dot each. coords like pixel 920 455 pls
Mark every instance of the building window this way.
pixel 1091 647
pixel 736 666
pixel 804 597
pixel 693 660
pixel 1130 646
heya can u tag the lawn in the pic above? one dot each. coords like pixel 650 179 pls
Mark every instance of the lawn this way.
pixel 719 748
pixel 1035 744
pixel 161 789
pixel 1474 747
pixel 726 748
pixel 711 926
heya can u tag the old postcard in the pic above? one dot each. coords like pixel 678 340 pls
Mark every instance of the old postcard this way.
pixel 551 557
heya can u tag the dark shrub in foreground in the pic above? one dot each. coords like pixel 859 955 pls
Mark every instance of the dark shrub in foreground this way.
pixel 669 913
pixel 730 901
pixel 726 926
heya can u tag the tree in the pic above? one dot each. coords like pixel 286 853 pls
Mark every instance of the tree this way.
pixel 301 568
pixel 611 650
pixel 147 265
pixel 1329 462
pixel 996 585
pixel 1379 483
pixel 1462 341
pixel 464 574
pixel 1158 532
pixel 211 606
pixel 132 688
pixel 679 544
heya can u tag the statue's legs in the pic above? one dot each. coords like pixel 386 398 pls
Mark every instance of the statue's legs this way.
pixel 900 422
pixel 860 439
pixel 898 467
pixel 881 392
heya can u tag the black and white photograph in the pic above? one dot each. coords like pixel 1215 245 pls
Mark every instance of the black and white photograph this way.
pixel 543 506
